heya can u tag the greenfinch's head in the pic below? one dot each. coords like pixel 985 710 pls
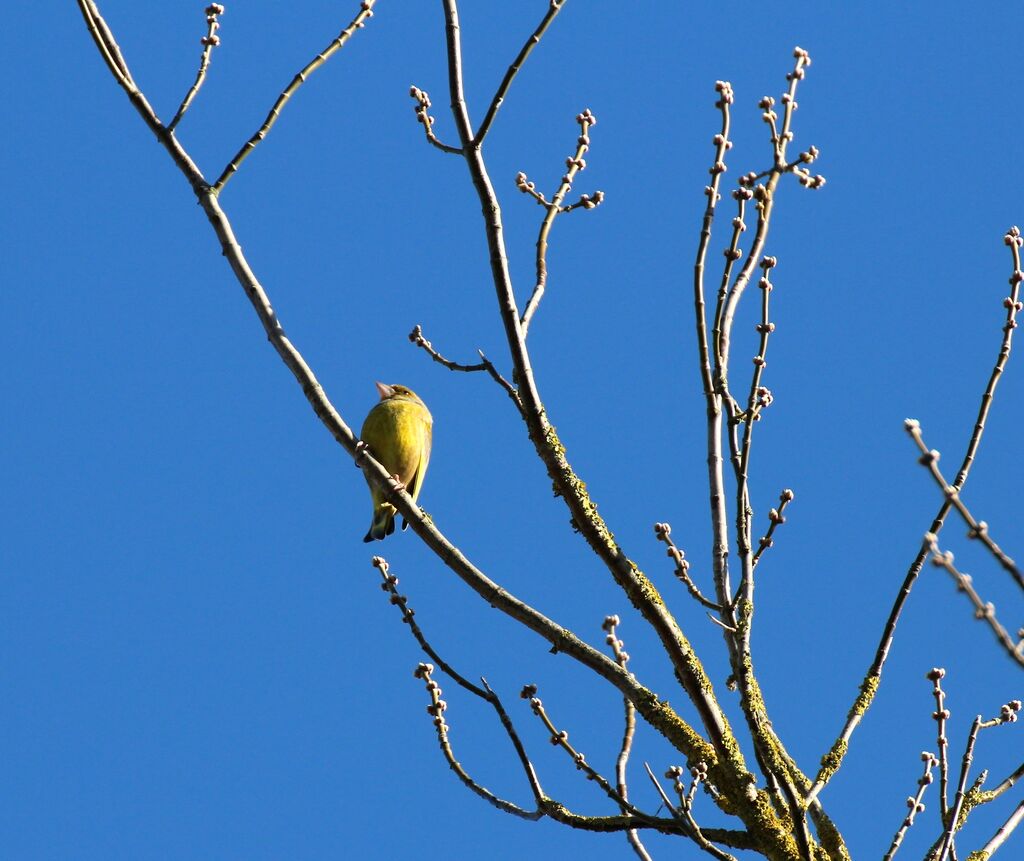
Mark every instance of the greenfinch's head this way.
pixel 387 392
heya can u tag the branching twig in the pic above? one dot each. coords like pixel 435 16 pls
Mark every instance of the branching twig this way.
pixel 554 7
pixel 210 41
pixel 560 738
pixel 722 405
pixel 869 684
pixel 437 709
pixel 685 816
pixel 776 517
pixel 984 611
pixel 416 337
pixel 915 804
pixel 365 13
pixel 574 164
pixel 390 585
pixel 957 814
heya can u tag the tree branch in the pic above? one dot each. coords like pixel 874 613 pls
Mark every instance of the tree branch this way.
pixel 554 7
pixel 210 41
pixel 550 449
pixel 869 685
pixel 365 13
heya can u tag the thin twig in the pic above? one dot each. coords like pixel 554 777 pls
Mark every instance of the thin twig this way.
pixel 663 532
pixel 210 41
pixel 610 627
pixel 764 195
pixel 554 7
pixel 975 528
pixel 692 831
pixel 390 585
pixel 870 683
pixel 759 398
pixel 983 611
pixel 574 164
pixel 711 192
pixel 427 121
pixel 437 709
pixel 416 337
pixel 915 805
pixel 365 13
pixel 776 517
pixel 560 738
pixel 941 715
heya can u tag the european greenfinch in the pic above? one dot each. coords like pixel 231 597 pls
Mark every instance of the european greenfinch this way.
pixel 398 433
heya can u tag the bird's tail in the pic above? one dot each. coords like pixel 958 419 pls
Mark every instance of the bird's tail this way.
pixel 383 523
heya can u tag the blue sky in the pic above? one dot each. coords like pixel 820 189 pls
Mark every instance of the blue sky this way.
pixel 197 659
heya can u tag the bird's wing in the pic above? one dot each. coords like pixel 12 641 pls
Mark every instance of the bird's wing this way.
pixel 421 469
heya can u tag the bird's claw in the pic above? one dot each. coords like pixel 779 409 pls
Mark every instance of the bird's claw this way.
pixel 360 456
pixel 398 483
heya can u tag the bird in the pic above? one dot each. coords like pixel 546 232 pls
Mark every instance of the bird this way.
pixel 397 432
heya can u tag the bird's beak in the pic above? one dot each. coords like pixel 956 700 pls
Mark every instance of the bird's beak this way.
pixel 384 390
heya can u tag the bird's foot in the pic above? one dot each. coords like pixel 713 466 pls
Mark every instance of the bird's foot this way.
pixel 360 456
pixel 398 483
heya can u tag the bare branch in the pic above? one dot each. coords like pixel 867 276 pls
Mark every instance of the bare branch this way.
pixel 776 517
pixel 764 195
pixel 711 192
pixel 106 44
pixel 941 715
pixel 663 532
pixel 656 712
pixel 427 121
pixel 684 815
pixel 416 337
pixel 574 164
pixel 976 528
pixel 610 627
pixel 437 709
pixel 982 611
pixel 1003 832
pixel 554 7
pixel 1010 780
pixel 210 41
pixel 721 405
pixel 560 738
pixel 915 805
pixel 958 813
pixel 365 13
pixel 552 452
pixel 869 685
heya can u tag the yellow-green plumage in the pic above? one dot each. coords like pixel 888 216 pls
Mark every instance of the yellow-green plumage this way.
pixel 398 433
